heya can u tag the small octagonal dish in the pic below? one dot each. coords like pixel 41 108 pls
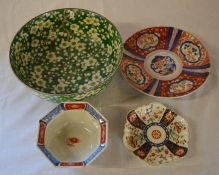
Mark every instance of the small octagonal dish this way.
pixel 72 134
pixel 66 54
pixel 156 134
pixel 165 62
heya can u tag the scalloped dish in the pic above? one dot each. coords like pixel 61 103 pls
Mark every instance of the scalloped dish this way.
pixel 156 134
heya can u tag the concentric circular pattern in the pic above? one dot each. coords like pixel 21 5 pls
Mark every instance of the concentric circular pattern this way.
pixel 156 134
pixel 165 62
pixel 66 52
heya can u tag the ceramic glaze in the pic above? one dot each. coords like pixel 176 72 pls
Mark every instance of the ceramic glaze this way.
pixel 72 134
pixel 165 62
pixel 156 134
pixel 66 54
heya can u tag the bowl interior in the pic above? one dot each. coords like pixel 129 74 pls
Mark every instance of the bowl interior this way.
pixel 72 136
pixel 66 51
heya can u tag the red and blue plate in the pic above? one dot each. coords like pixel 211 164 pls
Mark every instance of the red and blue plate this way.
pixel 165 62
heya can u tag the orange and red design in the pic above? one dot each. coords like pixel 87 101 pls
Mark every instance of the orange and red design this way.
pixel 165 62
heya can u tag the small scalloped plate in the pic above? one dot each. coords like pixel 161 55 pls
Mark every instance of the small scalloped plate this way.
pixel 165 62
pixel 156 134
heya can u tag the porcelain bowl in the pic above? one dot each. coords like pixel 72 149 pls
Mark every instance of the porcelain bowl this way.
pixel 66 54
pixel 72 134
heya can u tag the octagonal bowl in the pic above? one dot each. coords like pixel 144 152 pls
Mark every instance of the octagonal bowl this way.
pixel 66 54
pixel 156 134
pixel 72 134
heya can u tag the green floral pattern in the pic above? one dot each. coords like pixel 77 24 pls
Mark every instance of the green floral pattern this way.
pixel 178 130
pixel 66 51
pixel 66 98
pixel 160 155
pixel 133 137
pixel 151 113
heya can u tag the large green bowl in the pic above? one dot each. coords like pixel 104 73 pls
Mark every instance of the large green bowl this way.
pixel 66 54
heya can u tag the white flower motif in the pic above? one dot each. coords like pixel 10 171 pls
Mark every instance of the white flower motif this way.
pixel 61 33
pixel 47 24
pixel 52 35
pixel 26 57
pixel 48 14
pixel 109 68
pixel 92 31
pixel 51 56
pixel 22 71
pixel 92 61
pixel 109 49
pixel 74 41
pixel 71 14
pixel 96 76
pixel 38 70
pixel 24 35
pixel 74 27
pixel 96 22
pixel 35 43
pixel 63 82
pixel 95 37
pixel 89 62
pixel 84 88
pixel 60 16
pixel 60 87
pixel 34 30
pixel 88 20
pixel 92 83
pixel 73 80
pixel 80 46
pixel 110 30
pixel 40 25
pixel 40 82
pixel 64 44
pixel 117 47
pixel 18 47
pixel 91 20
pixel 80 32
pixel 109 27
pixel 36 76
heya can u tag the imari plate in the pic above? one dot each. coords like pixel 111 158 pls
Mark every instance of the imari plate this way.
pixel 66 54
pixel 165 62
pixel 156 134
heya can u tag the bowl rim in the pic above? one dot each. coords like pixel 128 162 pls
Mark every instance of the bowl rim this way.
pixel 116 67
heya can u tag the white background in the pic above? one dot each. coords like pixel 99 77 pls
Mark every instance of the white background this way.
pixel 20 110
